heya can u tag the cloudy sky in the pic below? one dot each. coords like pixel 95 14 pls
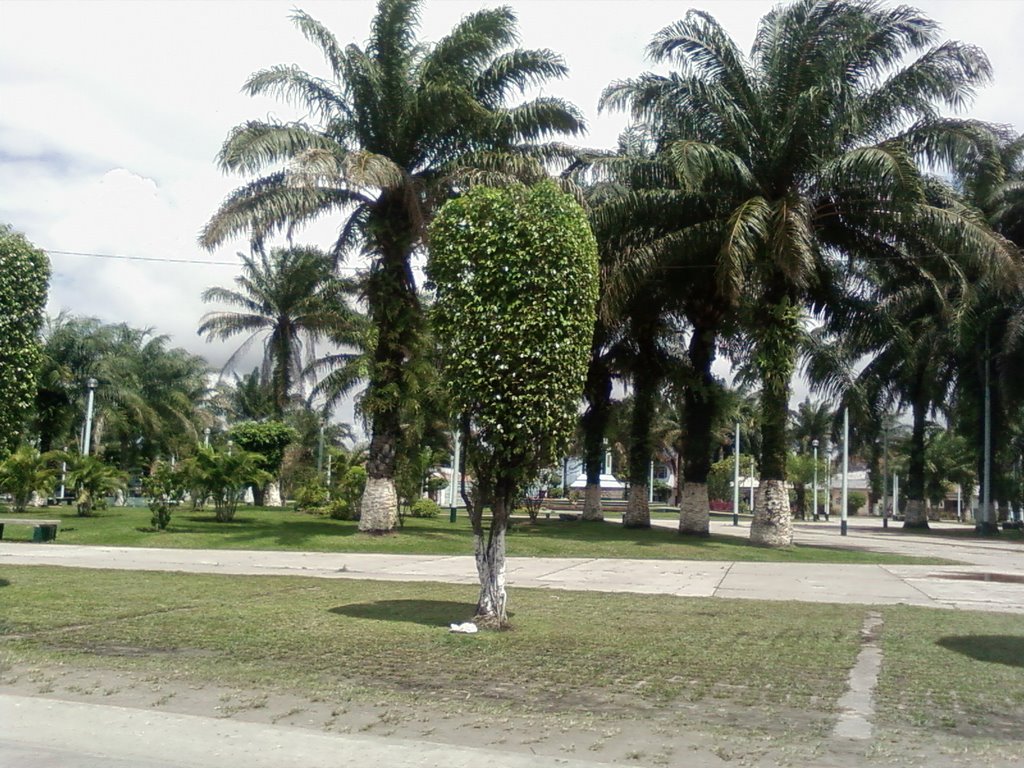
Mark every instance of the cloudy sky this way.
pixel 111 114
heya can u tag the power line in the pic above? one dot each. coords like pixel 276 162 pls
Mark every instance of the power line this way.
pixel 161 259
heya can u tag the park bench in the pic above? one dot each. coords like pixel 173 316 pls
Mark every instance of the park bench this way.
pixel 42 530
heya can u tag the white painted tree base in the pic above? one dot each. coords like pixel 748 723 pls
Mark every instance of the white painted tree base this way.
pixel 272 495
pixel 492 607
pixel 378 510
pixel 638 511
pixel 592 503
pixel 694 517
pixel 773 523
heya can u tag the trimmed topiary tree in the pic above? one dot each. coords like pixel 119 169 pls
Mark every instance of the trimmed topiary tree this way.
pixel 515 271
pixel 24 279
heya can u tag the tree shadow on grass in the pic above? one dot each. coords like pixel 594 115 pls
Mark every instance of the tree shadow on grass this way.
pixel 994 649
pixel 4 583
pixel 431 613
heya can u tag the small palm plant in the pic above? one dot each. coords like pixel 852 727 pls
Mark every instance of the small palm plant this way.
pixel 93 480
pixel 223 475
pixel 25 472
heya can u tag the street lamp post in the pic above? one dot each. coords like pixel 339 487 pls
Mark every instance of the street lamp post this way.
pixel 846 472
pixel 814 445
pixel 736 479
pixel 751 485
pixel 452 490
pixel 90 385
pixel 206 437
pixel 320 451
pixel 885 477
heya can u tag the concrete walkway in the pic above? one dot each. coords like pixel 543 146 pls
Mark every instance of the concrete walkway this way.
pixel 51 733
pixel 993 580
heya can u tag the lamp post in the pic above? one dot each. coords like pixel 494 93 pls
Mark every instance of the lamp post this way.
pixel 736 479
pixel 206 437
pixel 90 386
pixel 452 491
pixel 320 450
pixel 846 472
pixel 751 485
pixel 885 476
pixel 814 445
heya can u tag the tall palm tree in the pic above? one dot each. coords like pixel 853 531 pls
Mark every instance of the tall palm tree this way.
pixel 398 126
pixel 809 143
pixel 289 299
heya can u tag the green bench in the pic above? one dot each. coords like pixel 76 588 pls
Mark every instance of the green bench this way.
pixel 42 530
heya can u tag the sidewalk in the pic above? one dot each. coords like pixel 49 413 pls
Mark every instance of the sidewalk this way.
pixel 993 581
pixel 51 733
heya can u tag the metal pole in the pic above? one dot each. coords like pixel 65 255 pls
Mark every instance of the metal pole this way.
pixel 885 476
pixel 90 385
pixel 736 478
pixel 650 484
pixel 827 507
pixel 329 457
pixel 751 485
pixel 959 503
pixel 846 471
pixel 814 514
pixel 895 494
pixel 63 477
pixel 453 489
pixel 320 451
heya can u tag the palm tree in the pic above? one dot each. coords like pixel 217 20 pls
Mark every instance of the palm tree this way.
pixel 24 473
pixel 397 127
pixel 809 144
pixel 289 299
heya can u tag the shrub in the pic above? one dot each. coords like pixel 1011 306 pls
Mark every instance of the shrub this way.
pixel 342 509
pixel 310 496
pixel 165 486
pixel 854 501
pixel 424 508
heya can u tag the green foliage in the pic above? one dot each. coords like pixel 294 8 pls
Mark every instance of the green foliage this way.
pixel 24 279
pixel 721 476
pixel 93 480
pixel 424 508
pixel 25 472
pixel 854 501
pixel 516 277
pixel 350 491
pixel 310 495
pixel 165 486
pixel 222 476
pixel 266 438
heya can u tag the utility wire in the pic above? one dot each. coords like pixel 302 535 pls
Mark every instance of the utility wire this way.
pixel 162 259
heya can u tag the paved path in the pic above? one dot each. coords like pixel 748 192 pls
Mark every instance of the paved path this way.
pixel 961 586
pixel 51 733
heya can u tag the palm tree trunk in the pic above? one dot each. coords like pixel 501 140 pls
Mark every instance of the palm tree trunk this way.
pixel 598 393
pixel 773 523
pixel 916 515
pixel 395 310
pixel 699 403
pixel 645 389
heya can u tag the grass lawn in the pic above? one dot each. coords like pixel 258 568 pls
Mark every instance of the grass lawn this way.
pixel 262 528
pixel 950 680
